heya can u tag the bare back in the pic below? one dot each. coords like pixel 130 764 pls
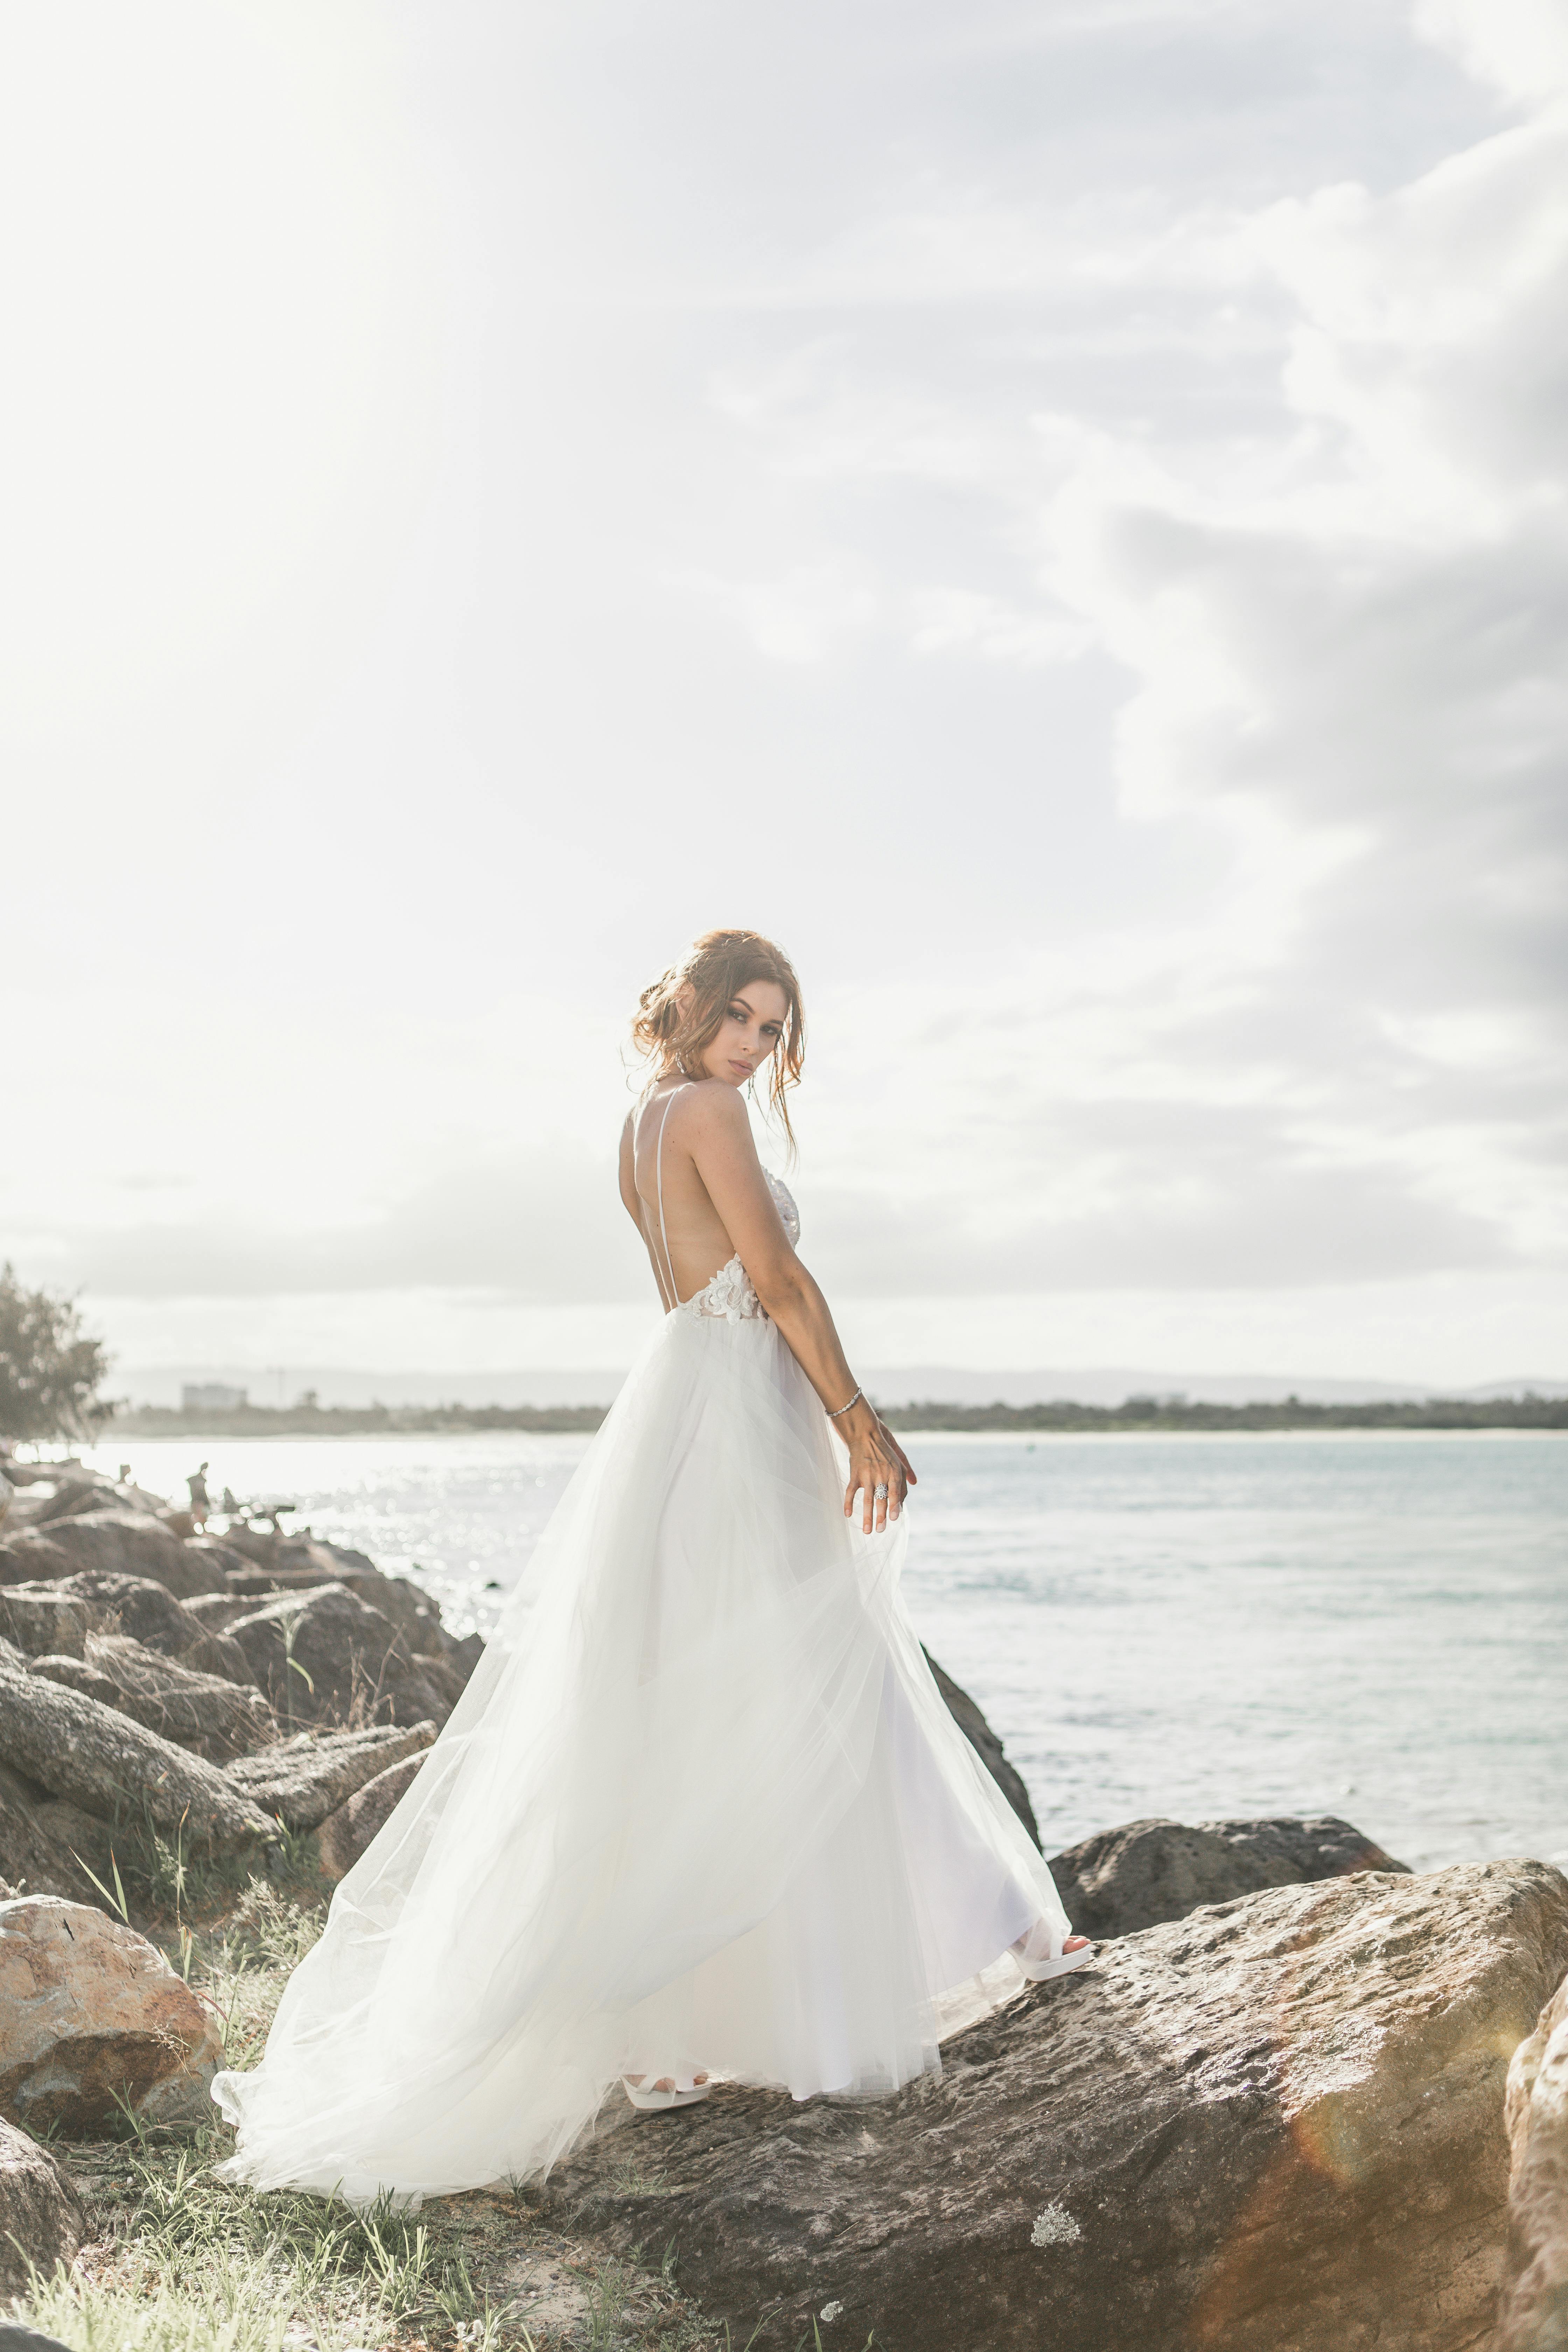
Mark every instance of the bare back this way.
pixel 689 1241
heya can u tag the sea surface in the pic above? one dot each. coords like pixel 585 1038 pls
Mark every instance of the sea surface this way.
pixel 1371 1623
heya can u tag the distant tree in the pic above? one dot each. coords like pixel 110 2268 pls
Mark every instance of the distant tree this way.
pixel 50 1369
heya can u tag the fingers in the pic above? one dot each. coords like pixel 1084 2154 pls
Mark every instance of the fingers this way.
pixel 867 1473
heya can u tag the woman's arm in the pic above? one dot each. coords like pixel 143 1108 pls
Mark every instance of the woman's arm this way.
pixel 718 1134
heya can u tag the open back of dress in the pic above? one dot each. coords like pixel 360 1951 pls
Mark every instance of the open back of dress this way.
pixel 702 1807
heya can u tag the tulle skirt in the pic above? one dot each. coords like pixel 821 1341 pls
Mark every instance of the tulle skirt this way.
pixel 702 1807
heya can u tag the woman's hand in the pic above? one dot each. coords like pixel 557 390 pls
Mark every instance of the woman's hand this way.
pixel 876 1460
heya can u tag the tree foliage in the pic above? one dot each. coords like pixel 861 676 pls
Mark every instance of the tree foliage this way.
pixel 50 1369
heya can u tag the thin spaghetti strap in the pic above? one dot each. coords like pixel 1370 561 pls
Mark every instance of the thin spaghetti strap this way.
pixel 659 1187
pixel 668 1292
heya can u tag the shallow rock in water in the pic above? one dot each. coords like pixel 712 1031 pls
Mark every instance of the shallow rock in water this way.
pixel 133 1543
pixel 985 1744
pixel 1143 1872
pixel 91 2015
pixel 1533 2309
pixel 305 1779
pixel 322 1655
pixel 345 1834
pixel 40 2214
pixel 1271 2127
pixel 95 1758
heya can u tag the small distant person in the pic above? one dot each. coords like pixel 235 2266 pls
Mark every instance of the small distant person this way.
pixel 200 1501
pixel 122 1476
pixel 230 1505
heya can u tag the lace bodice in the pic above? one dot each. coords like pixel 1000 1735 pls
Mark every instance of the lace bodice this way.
pixel 728 1297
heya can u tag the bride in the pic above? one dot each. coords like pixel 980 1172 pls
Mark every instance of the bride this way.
pixel 702 1812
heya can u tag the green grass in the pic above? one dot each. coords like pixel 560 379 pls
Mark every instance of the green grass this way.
pixel 180 2262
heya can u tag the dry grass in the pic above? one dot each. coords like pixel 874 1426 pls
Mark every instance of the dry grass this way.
pixel 179 2261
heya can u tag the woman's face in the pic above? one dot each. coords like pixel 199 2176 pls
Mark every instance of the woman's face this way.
pixel 752 1024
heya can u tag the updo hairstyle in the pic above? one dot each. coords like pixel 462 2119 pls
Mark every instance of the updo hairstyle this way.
pixel 714 969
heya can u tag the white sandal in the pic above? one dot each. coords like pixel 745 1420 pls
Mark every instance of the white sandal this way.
pixel 686 2094
pixel 1041 1972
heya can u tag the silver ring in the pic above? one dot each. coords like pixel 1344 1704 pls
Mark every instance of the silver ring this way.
pixel 880 1494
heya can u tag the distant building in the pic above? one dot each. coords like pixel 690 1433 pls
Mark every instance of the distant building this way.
pixel 212 1396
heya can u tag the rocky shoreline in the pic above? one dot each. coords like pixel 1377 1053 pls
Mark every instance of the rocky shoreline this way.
pixel 1276 2114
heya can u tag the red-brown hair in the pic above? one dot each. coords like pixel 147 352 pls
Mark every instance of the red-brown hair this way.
pixel 714 969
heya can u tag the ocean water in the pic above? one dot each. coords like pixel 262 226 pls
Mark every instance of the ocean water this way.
pixel 1364 1623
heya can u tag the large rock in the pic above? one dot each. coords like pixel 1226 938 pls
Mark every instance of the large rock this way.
pixel 303 1779
pixel 205 1713
pixel 29 1558
pixel 133 1543
pixel 1533 2310
pixel 104 1761
pixel 324 1656
pixel 45 1843
pixel 1272 2126
pixel 91 2018
pixel 149 1613
pixel 40 2213
pixel 1146 1871
pixel 344 1835
pixel 44 1621
pixel 986 1745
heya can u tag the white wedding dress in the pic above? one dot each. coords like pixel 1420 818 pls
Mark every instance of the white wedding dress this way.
pixel 702 1807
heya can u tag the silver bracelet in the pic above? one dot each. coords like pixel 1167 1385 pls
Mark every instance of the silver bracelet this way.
pixel 844 1408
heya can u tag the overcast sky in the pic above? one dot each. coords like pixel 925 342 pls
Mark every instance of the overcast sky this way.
pixel 1054 509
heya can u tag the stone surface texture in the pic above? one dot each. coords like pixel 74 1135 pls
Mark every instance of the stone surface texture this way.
pixel 304 1778
pixel 985 1744
pixel 94 1756
pixel 205 1713
pixel 91 2013
pixel 150 1614
pixel 40 2212
pixel 1143 1872
pixel 133 1543
pixel 346 1658
pixel 41 1839
pixel 1532 2315
pixel 1274 2126
pixel 345 1834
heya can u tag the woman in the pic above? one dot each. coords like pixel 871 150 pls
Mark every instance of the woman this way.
pixel 700 1811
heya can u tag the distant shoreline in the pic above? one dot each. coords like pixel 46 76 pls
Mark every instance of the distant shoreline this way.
pixel 1139 1413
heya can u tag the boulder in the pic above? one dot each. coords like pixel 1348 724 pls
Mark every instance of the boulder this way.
pixel 149 1613
pixel 40 2213
pixel 45 1843
pixel 1142 1872
pixel 321 1656
pixel 94 1756
pixel 344 1835
pixel 133 1543
pixel 28 1559
pixel 205 1713
pixel 44 1621
pixel 217 1612
pixel 15 2337
pixel 1271 2127
pixel 74 1495
pixel 91 2017
pixel 985 1744
pixel 75 1675
pixel 303 1779
pixel 1533 2309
